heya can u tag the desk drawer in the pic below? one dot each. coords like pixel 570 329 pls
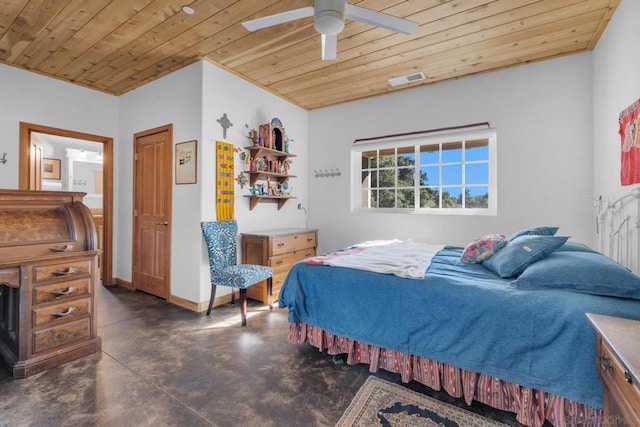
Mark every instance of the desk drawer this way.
pixel 62 271
pixel 617 379
pixel 290 243
pixel 57 336
pixel 61 291
pixel 63 312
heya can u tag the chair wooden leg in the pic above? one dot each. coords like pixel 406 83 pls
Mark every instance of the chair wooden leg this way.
pixel 270 293
pixel 213 296
pixel 233 296
pixel 243 305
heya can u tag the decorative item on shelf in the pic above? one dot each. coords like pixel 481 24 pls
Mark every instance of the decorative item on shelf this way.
pixel 272 135
pixel 252 135
pixel 327 173
pixel 242 179
pixel 3 159
pixel 225 123
pixel 246 159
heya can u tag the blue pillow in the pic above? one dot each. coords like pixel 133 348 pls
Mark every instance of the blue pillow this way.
pixel 575 247
pixel 535 231
pixel 521 252
pixel 586 272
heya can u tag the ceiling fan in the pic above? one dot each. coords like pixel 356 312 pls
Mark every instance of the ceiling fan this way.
pixel 328 20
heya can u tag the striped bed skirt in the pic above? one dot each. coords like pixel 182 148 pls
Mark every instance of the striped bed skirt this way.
pixel 532 407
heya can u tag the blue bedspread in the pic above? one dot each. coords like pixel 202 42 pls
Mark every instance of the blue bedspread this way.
pixel 463 315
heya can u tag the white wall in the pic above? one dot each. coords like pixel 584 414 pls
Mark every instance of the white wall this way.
pixel 246 104
pixel 174 99
pixel 542 113
pixel 616 85
pixel 192 99
pixel 32 98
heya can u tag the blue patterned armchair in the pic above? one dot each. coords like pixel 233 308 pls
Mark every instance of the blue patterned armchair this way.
pixel 220 237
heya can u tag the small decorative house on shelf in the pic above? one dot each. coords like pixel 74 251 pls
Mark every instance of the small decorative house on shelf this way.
pixel 269 163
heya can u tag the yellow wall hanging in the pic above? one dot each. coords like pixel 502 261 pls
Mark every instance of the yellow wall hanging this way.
pixel 224 181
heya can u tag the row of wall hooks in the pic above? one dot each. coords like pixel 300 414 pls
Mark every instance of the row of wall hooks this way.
pixel 327 173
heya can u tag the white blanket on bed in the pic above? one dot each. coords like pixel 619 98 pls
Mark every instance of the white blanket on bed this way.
pixel 402 258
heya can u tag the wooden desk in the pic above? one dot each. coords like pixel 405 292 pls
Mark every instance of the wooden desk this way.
pixel 618 364
pixel 48 276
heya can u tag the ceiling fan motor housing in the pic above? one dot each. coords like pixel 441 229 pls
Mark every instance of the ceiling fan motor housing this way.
pixel 328 16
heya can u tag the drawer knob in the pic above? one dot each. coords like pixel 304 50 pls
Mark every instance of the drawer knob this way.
pixel 67 312
pixel 627 377
pixel 605 364
pixel 279 262
pixel 64 272
pixel 70 290
pixel 281 244
pixel 309 239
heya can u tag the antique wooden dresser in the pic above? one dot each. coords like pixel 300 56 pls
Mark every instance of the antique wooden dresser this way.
pixel 279 249
pixel 618 364
pixel 48 278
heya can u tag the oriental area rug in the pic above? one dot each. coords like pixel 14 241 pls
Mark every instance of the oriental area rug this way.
pixel 382 403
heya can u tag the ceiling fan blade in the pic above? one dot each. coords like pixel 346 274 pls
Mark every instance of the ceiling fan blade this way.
pixel 380 19
pixel 278 18
pixel 329 46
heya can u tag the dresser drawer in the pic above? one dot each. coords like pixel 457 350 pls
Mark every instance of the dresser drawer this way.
pixel 61 291
pixel 283 244
pixel 617 379
pixel 60 335
pixel 61 271
pixel 284 262
pixel 62 312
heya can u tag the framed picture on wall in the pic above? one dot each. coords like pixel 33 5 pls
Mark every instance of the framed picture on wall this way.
pixel 50 168
pixel 186 162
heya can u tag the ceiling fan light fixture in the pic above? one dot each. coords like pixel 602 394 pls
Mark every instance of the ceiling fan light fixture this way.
pixel 328 22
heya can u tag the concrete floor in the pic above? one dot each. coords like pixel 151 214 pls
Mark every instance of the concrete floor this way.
pixel 162 365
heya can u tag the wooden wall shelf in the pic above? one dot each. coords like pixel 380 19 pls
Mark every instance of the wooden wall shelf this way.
pixel 262 175
pixel 280 200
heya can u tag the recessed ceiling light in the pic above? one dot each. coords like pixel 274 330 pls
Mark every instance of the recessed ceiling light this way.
pixel 188 10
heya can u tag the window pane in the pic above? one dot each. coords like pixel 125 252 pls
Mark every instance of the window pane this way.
pixel 429 198
pixel 429 154
pixel 366 199
pixel 406 156
pixel 451 174
pixel 374 199
pixel 387 158
pixel 369 159
pixel 477 150
pixel 477 197
pixel 476 173
pixel 452 197
pixel 387 199
pixel 374 179
pixel 406 177
pixel 387 178
pixel 452 152
pixel 429 175
pixel 406 198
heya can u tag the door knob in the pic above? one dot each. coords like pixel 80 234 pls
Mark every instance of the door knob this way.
pixel 165 223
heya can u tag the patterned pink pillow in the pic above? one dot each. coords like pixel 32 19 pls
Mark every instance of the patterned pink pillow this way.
pixel 482 248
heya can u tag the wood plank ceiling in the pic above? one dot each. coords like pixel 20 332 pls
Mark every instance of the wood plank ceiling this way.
pixel 118 45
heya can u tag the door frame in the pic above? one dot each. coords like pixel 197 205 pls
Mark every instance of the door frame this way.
pixel 135 246
pixel 107 192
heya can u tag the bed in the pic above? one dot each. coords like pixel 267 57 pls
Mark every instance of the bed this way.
pixel 480 323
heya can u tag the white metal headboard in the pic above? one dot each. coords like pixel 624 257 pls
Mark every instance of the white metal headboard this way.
pixel 617 225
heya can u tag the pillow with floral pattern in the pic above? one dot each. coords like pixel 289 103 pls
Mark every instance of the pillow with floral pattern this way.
pixel 481 249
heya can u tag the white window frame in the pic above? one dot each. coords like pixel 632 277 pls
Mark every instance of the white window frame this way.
pixel 431 139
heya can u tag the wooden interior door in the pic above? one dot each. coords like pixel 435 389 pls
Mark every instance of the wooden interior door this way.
pixel 153 181
pixel 35 163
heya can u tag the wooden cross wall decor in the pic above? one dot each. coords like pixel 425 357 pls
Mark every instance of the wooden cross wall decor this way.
pixel 225 123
